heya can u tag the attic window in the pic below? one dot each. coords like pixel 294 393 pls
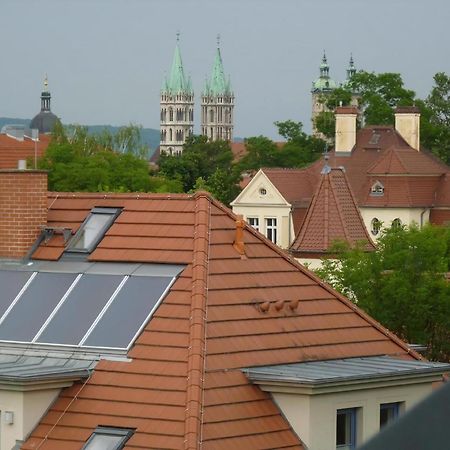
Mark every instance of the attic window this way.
pixel 262 191
pixel 377 189
pixel 93 229
pixel 107 438
pixel 375 138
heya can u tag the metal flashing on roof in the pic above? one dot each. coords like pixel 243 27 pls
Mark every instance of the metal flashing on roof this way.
pixel 332 371
pixel 22 368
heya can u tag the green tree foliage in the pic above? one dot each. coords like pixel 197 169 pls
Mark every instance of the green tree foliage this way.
pixel 261 152
pixel 203 165
pixel 435 119
pixel 380 94
pixel 300 149
pixel 402 284
pixel 78 161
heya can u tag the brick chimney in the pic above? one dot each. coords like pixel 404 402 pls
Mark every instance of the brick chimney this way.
pixel 407 123
pixel 23 210
pixel 345 129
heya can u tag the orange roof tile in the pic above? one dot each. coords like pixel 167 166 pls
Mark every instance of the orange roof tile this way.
pixel 183 384
pixel 333 215
pixel 12 150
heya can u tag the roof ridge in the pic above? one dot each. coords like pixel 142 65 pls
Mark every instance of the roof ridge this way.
pixel 339 208
pixel 121 195
pixel 197 327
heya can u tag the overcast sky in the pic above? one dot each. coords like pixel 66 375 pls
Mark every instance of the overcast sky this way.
pixel 106 59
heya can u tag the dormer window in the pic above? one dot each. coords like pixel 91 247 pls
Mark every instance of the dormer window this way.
pixel 92 230
pixel 377 189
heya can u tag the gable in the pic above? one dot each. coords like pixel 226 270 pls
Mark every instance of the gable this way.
pixel 260 191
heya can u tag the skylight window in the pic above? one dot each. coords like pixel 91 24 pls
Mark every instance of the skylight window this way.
pixel 108 438
pixel 377 189
pixel 93 229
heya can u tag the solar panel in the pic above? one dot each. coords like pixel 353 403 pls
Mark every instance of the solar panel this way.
pixel 34 306
pixel 11 283
pixel 58 306
pixel 80 309
pixel 135 302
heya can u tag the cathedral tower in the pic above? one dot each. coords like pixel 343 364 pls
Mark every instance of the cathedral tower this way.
pixel 217 103
pixel 177 107
pixel 321 87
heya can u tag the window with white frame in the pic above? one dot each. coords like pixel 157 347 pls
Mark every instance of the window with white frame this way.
pixel 254 222
pixel 396 224
pixel 346 429
pixel 388 413
pixel 377 189
pixel 271 229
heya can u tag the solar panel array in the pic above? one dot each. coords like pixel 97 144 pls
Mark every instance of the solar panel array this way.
pixel 83 310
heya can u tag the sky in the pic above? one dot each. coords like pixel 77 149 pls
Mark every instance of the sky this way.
pixel 106 59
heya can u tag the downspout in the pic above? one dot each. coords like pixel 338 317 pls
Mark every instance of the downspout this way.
pixel 421 216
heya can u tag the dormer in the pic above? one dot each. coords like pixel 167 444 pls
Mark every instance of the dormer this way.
pixel 377 189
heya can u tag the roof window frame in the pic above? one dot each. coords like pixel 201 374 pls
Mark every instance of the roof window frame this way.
pixel 377 189
pixel 112 212
pixel 123 433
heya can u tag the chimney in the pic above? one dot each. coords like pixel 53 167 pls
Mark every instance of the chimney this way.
pixel 407 123
pixel 23 210
pixel 345 129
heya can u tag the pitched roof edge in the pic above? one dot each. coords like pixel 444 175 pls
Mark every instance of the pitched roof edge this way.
pixel 197 329
pixel 321 283
pixel 355 203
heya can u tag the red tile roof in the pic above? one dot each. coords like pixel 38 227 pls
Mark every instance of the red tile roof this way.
pixel 12 150
pixel 411 178
pixel 184 386
pixel 332 215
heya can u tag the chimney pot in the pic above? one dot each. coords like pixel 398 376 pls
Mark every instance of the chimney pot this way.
pixel 238 244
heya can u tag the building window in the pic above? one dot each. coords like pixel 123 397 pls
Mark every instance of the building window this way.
pixel 254 222
pixel 375 226
pixel 377 189
pixel 271 229
pixel 396 224
pixel 346 429
pixel 262 191
pixel 93 229
pixel 388 413
pixel 106 438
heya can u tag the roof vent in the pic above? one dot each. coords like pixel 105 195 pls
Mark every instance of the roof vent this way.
pixel 238 243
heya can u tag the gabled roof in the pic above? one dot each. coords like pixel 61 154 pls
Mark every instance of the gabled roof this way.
pixel 12 150
pixel 332 215
pixel 183 383
pixel 417 179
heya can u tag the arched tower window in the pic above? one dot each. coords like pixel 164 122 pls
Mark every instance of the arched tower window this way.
pixel 170 134
pixel 171 114
pixel 211 115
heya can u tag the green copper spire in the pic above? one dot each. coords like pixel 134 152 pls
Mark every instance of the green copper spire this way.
pixel 351 68
pixel 324 82
pixel 218 83
pixel 177 81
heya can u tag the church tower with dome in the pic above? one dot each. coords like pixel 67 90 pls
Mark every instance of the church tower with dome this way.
pixel 45 120
pixel 321 87
pixel 217 103
pixel 324 86
pixel 176 107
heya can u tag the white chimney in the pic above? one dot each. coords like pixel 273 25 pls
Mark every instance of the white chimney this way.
pixel 345 129
pixel 407 123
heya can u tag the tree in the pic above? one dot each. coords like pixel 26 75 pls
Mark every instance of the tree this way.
pixel 261 152
pixel 402 284
pixel 78 161
pixel 203 163
pixel 435 120
pixel 300 148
